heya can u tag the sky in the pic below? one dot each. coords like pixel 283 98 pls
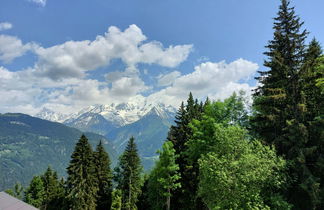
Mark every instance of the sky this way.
pixel 68 54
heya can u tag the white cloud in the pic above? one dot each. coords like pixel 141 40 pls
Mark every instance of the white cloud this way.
pixel 218 80
pixel 168 79
pixel 11 47
pixel 75 58
pixel 39 2
pixel 5 26
pixel 60 77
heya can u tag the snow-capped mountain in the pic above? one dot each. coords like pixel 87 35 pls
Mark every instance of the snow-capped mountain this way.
pixel 147 122
pixel 116 114
pixel 50 115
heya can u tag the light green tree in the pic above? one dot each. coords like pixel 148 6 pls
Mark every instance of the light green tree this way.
pixel 164 178
pixel 235 172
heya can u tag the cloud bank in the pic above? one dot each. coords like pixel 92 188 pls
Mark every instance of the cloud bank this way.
pixel 60 79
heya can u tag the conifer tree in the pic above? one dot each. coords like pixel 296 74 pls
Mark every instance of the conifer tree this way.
pixel 281 107
pixel 185 197
pixel 81 182
pixel 130 170
pixel 34 194
pixel 116 200
pixel 104 177
pixel 54 191
pixel 278 97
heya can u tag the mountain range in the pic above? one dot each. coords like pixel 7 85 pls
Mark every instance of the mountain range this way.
pixel 147 122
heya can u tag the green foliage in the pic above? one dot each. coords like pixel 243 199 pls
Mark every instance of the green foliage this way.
pixel 17 191
pixel 116 200
pixel 319 73
pixel 235 171
pixel 82 186
pixel 129 172
pixel 35 192
pixel 54 192
pixel 179 134
pixel 103 177
pixel 288 106
pixel 231 111
pixel 164 178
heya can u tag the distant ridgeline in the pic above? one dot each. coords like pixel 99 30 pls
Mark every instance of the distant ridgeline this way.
pixel 147 123
pixel 28 145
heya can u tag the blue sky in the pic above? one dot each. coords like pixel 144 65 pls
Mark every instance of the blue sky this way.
pixel 67 54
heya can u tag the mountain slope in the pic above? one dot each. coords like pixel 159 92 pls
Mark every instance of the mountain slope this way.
pixel 91 122
pixel 28 145
pixel 150 132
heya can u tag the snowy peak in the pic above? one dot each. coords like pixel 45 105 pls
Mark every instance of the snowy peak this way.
pixel 50 115
pixel 117 115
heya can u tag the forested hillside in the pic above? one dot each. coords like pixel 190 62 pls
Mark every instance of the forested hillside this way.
pixel 29 145
pixel 222 154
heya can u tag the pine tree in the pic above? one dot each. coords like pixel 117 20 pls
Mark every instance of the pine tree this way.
pixel 314 97
pixel 276 99
pixel 130 170
pixel 35 192
pixel 104 177
pixel 164 178
pixel 280 104
pixel 54 192
pixel 116 200
pixel 309 76
pixel 179 134
pixel 81 182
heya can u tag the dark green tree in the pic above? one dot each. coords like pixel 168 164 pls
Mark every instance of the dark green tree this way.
pixel 116 200
pixel 143 199
pixel 186 196
pixel 82 186
pixel 281 107
pixel 277 99
pixel 130 170
pixel 104 177
pixel 35 192
pixel 54 191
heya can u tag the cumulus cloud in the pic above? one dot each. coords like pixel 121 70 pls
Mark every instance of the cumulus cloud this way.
pixel 60 79
pixel 5 26
pixel 11 47
pixel 41 3
pixel 75 58
pixel 216 80
pixel 168 79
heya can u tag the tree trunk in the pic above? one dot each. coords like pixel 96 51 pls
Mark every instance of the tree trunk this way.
pixel 168 200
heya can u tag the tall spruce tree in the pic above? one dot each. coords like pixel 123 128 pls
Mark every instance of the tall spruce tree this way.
pixel 179 134
pixel 82 186
pixel 281 108
pixel 104 177
pixel 34 194
pixel 276 100
pixel 130 170
pixel 54 191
